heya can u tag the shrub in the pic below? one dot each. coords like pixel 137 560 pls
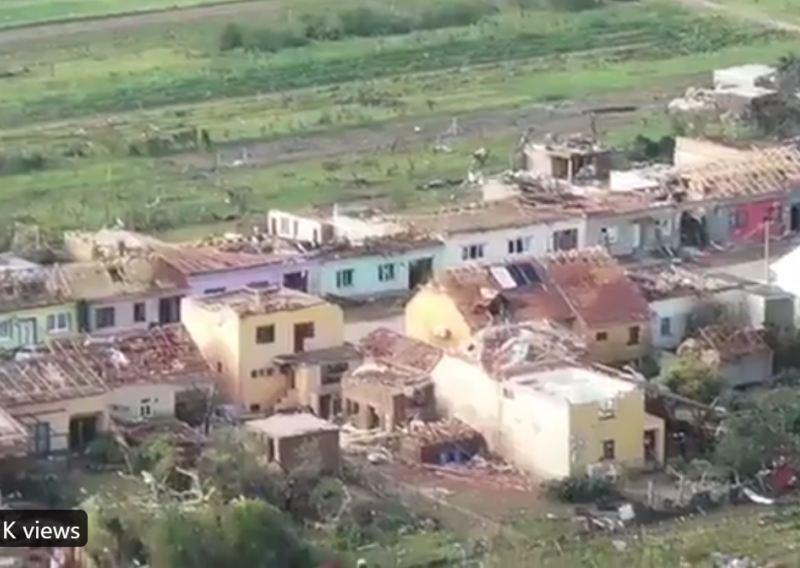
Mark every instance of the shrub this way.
pixel 232 37
pixel 580 489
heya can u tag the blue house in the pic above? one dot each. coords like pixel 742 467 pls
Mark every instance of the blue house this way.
pixel 379 266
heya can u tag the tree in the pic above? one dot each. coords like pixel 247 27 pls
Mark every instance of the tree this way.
pixel 763 427
pixel 692 377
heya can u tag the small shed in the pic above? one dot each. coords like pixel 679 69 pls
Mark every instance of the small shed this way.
pixel 297 439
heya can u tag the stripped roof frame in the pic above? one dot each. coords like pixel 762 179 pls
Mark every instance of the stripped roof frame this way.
pixel 30 289
pixel 195 261
pixel 83 367
pixel 398 243
pixel 733 342
pixel 757 173
pixel 132 276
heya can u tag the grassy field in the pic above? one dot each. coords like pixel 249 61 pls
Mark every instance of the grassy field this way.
pixel 783 10
pixel 94 126
pixel 17 13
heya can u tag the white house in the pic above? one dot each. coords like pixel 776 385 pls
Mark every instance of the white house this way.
pixel 500 230
pixel 553 419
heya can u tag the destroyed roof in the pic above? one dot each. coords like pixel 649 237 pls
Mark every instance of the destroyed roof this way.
pixel 163 354
pixel 338 354
pixel 256 243
pixel 127 276
pixel 386 376
pixel 596 288
pixel 259 300
pixel 758 172
pixel 392 348
pixel 573 144
pixel 14 436
pixel 488 216
pixel 587 285
pixel 194 261
pixel 733 342
pixel 29 289
pixel 661 283
pixel 424 433
pixel 522 289
pixel 505 347
pixel 398 243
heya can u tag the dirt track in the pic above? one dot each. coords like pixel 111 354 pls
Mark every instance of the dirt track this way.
pixel 567 117
pixel 122 23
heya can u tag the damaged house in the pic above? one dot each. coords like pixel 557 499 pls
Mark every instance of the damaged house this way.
pixel 586 293
pixel 553 418
pixel 360 258
pixel 392 385
pixel 738 200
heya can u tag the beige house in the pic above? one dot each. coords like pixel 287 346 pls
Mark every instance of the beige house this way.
pixel 244 334
pixel 296 440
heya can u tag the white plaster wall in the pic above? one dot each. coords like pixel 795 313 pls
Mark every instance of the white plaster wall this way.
pixel 496 242
pixel 128 399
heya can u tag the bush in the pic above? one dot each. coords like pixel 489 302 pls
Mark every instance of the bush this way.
pixel 580 489
pixel 353 23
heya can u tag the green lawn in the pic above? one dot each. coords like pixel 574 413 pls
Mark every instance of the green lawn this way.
pixel 17 13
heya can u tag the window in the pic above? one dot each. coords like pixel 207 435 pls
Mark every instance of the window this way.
pixel 609 235
pixel 472 252
pixel 344 278
pixel 256 373
pixel 214 291
pixel 139 312
pixel 58 323
pixel 5 329
pixel 284 226
pixel 332 373
pixel 519 246
pixel 608 409
pixel 104 317
pixel 738 219
pixel 666 327
pixel 145 409
pixel 265 334
pixel 633 335
pixel 386 272
pixel 601 336
pixel 255 407
pixel 609 452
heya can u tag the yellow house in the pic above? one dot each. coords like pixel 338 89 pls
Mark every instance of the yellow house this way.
pixel 586 293
pixel 34 308
pixel 242 333
pixel 553 419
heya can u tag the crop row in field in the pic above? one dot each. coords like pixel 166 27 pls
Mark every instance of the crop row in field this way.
pixel 162 77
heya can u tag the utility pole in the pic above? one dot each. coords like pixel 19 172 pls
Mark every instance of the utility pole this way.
pixel 766 249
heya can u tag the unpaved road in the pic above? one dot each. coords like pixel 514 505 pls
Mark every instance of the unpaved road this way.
pixel 563 118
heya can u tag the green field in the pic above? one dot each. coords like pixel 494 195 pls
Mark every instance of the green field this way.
pixel 17 13
pixel 782 10
pixel 94 126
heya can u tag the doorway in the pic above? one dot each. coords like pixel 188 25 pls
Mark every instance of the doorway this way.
pixel 794 218
pixel 26 332
pixel 302 331
pixel 82 432
pixel 650 448
pixel 169 310
pixel 419 272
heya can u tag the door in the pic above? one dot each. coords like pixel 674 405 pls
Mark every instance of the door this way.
pixel 302 331
pixel 794 218
pixel 650 450
pixel 169 310
pixel 26 331
pixel 40 438
pixel 419 272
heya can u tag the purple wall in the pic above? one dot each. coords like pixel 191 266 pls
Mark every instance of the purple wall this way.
pixel 240 278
